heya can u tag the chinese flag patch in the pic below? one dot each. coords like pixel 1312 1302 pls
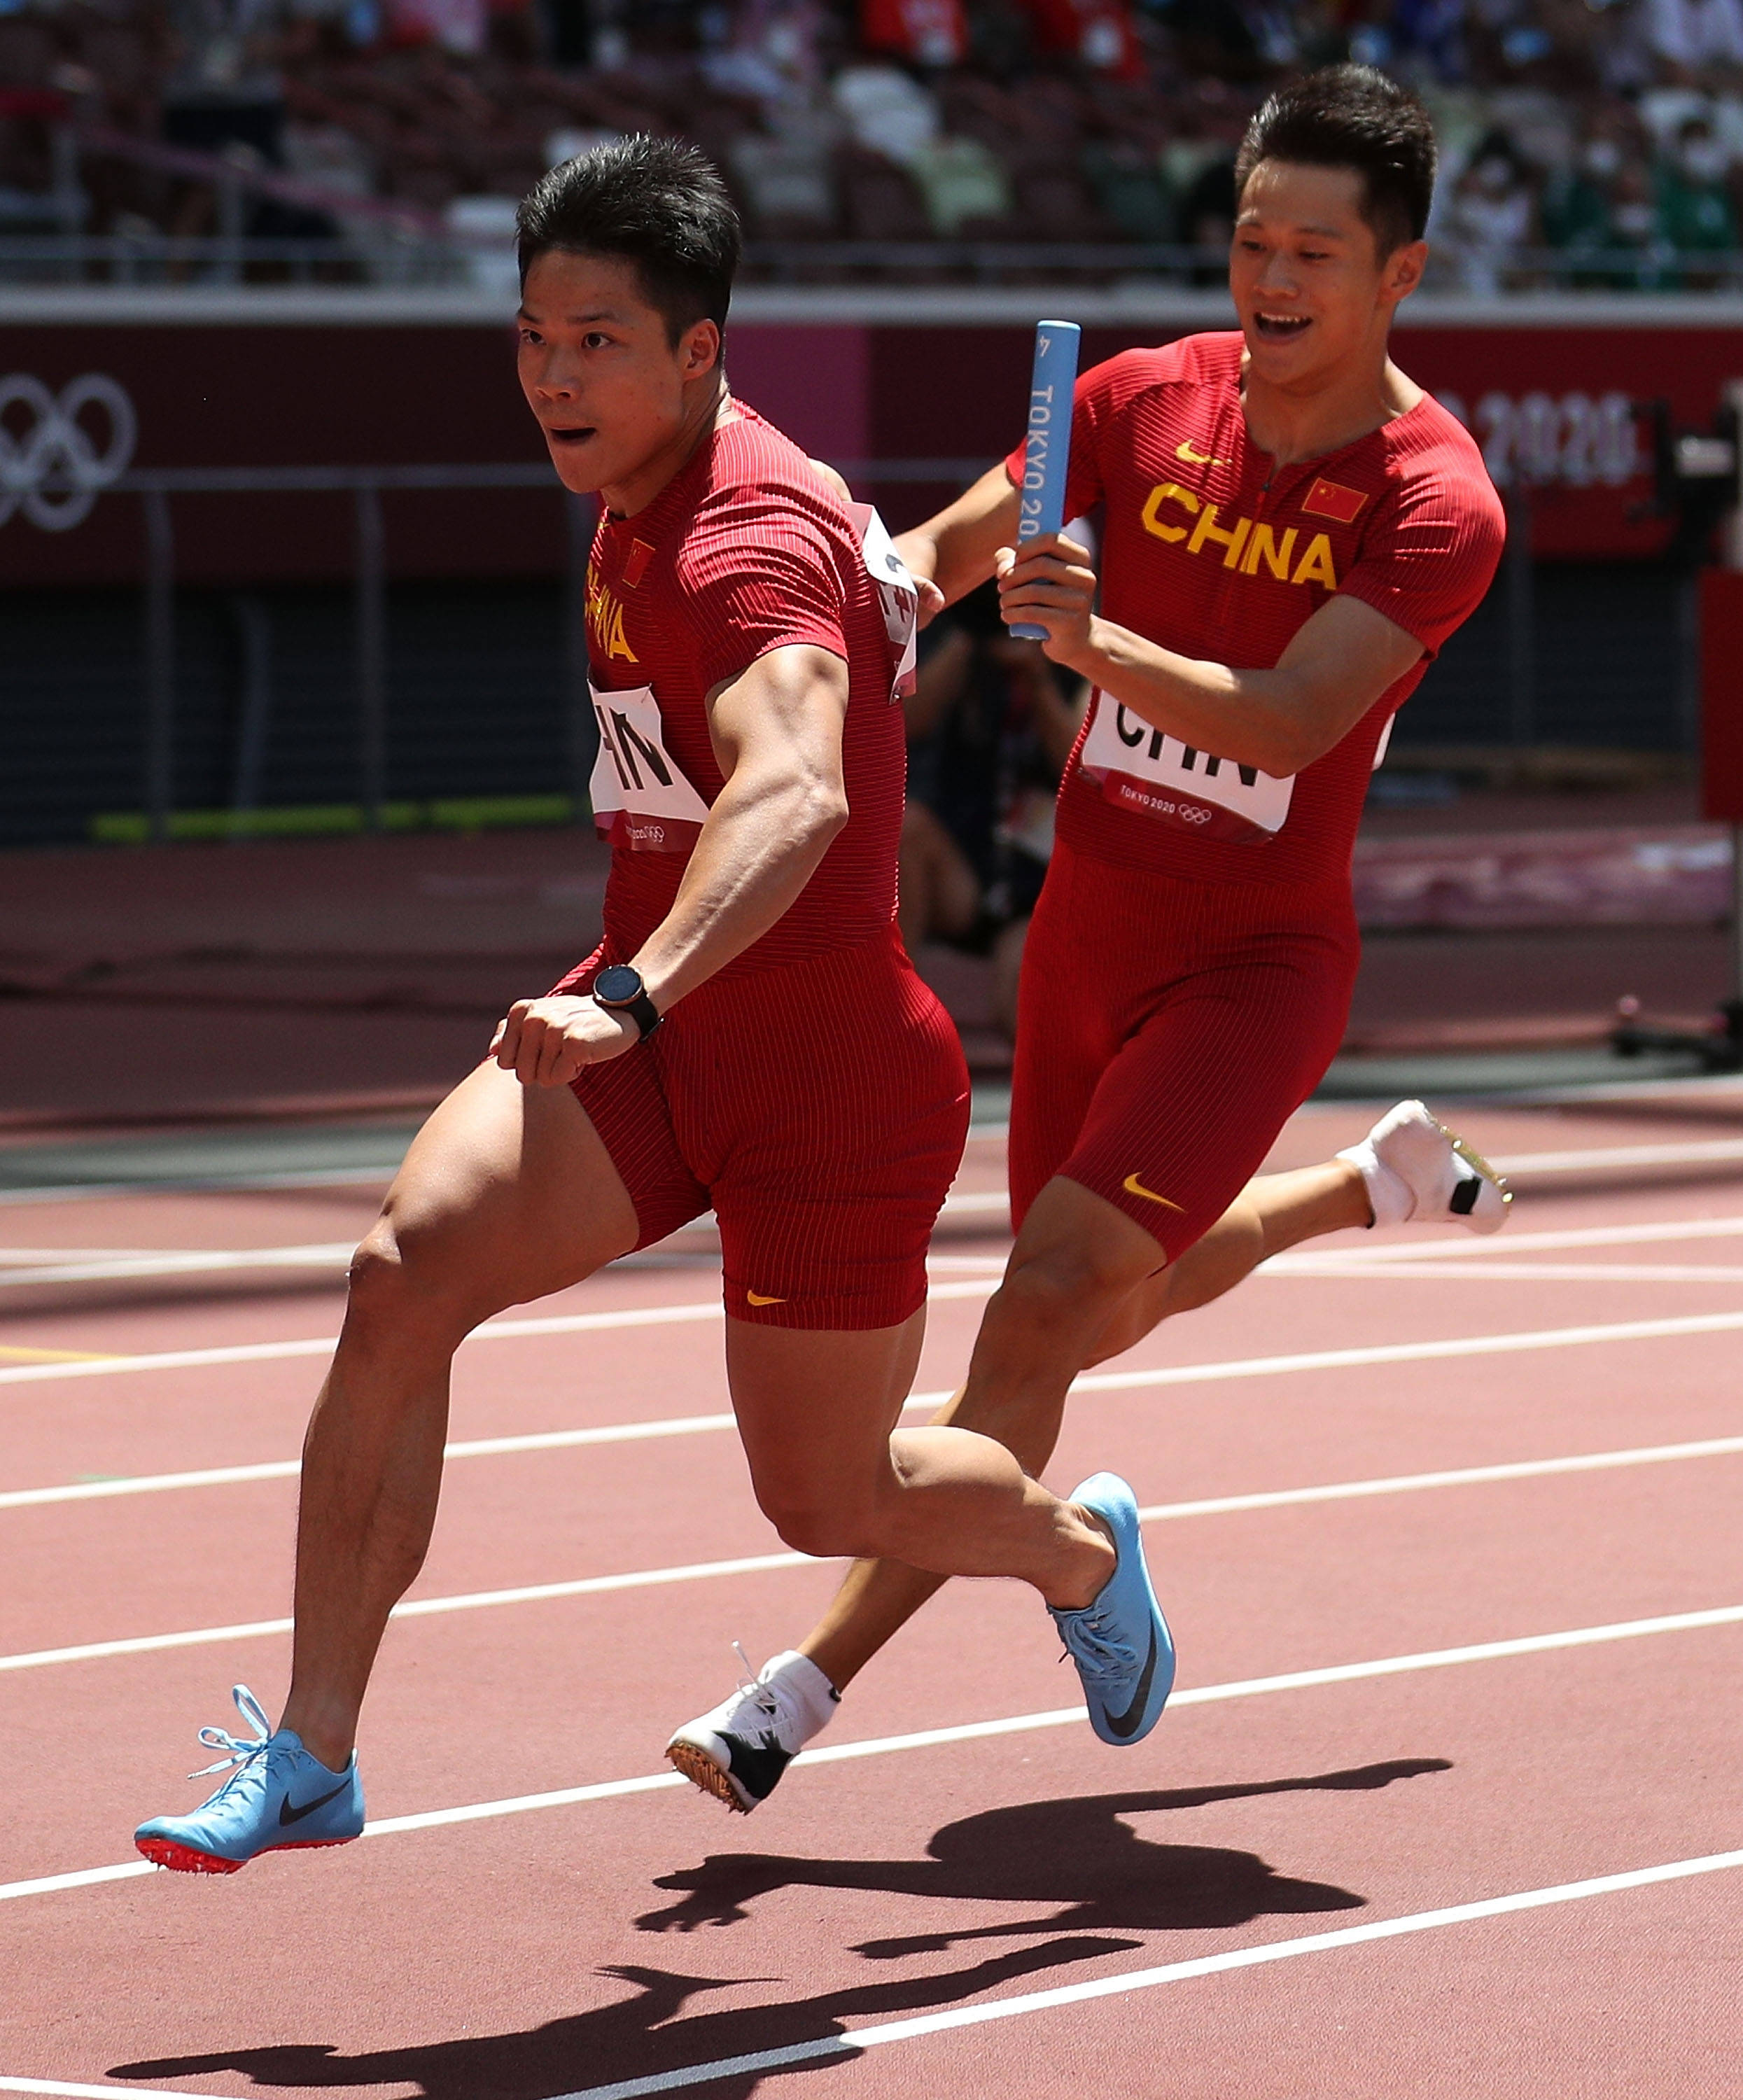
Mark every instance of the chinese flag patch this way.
pixel 1332 499
pixel 640 554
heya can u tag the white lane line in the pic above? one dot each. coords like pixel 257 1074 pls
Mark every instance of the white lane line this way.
pixel 1410 1353
pixel 1496 1271
pixel 1464 1476
pixel 1688 1152
pixel 38 1265
pixel 699 1571
pixel 1175 1374
pixel 102 1267
pixel 20 1266
pixel 54 2085
pixel 296 1177
pixel 492 1331
pixel 287 1469
pixel 29 1256
pixel 418 1607
pixel 1337 1262
pixel 1017 1724
pixel 854 2041
pixel 1509 1244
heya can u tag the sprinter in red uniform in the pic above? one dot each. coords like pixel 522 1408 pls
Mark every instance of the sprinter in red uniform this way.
pixel 750 1037
pixel 1291 528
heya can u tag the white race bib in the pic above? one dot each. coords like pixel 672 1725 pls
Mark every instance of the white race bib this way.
pixel 897 593
pixel 1139 768
pixel 642 798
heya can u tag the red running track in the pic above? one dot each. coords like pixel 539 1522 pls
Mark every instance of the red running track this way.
pixel 1507 1861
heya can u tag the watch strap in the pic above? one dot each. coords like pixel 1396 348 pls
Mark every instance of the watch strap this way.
pixel 642 1011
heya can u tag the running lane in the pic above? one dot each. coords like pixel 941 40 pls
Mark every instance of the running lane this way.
pixel 572 1946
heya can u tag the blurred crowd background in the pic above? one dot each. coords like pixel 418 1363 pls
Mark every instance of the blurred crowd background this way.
pixel 1590 143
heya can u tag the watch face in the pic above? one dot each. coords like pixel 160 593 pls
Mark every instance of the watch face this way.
pixel 617 986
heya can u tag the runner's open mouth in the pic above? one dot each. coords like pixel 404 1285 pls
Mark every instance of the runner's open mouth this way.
pixel 1280 327
pixel 576 436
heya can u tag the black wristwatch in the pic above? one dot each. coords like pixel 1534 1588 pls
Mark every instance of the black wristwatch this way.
pixel 619 989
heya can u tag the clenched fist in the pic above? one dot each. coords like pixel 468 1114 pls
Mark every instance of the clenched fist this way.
pixel 547 1042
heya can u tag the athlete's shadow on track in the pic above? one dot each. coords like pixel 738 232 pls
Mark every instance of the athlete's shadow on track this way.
pixel 1075 1852
pixel 1078 1852
pixel 635 2037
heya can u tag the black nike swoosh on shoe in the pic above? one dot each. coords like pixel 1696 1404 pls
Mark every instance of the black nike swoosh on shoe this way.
pixel 1123 1725
pixel 1462 1201
pixel 287 1814
pixel 757 1765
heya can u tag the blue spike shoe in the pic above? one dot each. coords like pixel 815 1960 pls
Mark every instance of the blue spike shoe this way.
pixel 279 1798
pixel 1120 1644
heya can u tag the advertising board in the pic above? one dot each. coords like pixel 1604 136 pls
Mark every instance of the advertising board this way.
pixel 907 391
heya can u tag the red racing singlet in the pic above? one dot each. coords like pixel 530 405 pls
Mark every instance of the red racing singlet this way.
pixel 1212 550
pixel 744 550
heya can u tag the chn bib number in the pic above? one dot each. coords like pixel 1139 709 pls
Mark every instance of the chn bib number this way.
pixel 897 595
pixel 642 798
pixel 1139 768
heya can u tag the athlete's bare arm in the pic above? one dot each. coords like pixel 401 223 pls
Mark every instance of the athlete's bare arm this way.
pixel 1337 666
pixel 957 549
pixel 777 734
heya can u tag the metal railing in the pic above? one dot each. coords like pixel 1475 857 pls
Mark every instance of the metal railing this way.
pixel 366 487
pixel 399 254
pixel 378 239
pixel 154 259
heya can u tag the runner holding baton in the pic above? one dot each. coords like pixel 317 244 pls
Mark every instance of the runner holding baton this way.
pixel 1291 528
pixel 1048 454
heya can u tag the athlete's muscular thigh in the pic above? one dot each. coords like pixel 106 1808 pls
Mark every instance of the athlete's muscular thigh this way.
pixel 507 1193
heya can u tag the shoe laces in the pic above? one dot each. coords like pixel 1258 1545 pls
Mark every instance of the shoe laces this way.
pixel 237 1749
pixel 752 1686
pixel 1093 1639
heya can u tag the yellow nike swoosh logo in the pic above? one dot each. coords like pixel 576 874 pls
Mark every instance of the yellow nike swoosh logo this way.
pixel 1134 1187
pixel 1184 451
pixel 757 1297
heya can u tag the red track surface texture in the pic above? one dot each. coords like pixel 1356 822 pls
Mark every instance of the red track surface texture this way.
pixel 1447 1804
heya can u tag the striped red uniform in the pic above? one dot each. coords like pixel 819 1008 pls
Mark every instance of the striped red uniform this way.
pixel 813 1091
pixel 1189 969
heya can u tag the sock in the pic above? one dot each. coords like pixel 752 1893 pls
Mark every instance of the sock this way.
pixel 1389 1194
pixel 810 1691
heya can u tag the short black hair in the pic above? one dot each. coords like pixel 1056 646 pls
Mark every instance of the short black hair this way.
pixel 658 203
pixel 1352 117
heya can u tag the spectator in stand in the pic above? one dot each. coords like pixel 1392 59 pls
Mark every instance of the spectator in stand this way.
pixel 1001 39
pixel 1214 38
pixel 990 728
pixel 1635 228
pixel 224 90
pixel 1131 190
pixel 1695 214
pixel 966 188
pixel 1490 217
pixel 1427 36
pixel 1698 43
pixel 934 33
pixel 1098 35
pixel 1578 204
pixel 1206 217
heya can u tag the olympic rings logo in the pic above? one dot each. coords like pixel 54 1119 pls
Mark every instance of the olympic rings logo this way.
pixel 1191 813
pixel 51 469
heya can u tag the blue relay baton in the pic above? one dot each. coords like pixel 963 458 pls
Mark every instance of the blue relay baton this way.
pixel 1048 453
